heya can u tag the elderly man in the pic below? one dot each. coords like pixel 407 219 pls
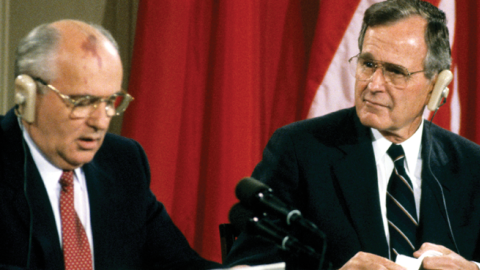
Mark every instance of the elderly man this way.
pixel 73 196
pixel 378 179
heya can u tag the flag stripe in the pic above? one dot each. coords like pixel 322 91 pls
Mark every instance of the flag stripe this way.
pixel 329 33
pixel 335 90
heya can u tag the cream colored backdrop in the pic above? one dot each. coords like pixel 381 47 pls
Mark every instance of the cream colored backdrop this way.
pixel 18 17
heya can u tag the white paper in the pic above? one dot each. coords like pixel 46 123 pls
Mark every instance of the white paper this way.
pixel 414 263
pixel 273 266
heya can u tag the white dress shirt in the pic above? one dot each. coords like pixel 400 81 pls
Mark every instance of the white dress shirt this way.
pixel 413 159
pixel 51 176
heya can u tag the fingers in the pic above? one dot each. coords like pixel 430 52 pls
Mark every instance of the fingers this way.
pixel 363 260
pixel 447 260
pixel 451 261
pixel 429 246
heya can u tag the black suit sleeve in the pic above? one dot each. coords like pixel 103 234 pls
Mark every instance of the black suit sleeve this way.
pixel 145 237
pixel 278 169
pixel 166 246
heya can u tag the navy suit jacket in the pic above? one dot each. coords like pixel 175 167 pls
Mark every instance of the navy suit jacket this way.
pixel 131 229
pixel 325 167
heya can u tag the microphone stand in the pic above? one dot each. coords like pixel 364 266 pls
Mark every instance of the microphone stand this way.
pixel 299 260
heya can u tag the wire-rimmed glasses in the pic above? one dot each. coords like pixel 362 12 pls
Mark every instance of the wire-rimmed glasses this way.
pixel 364 67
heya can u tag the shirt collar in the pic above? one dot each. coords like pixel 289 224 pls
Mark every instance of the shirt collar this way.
pixel 45 167
pixel 411 147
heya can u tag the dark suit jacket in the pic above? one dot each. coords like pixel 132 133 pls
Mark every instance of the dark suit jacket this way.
pixel 131 229
pixel 325 167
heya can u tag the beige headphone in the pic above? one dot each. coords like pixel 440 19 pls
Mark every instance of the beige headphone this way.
pixel 440 90
pixel 25 97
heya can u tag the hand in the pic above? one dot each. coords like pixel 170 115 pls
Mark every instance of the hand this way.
pixel 363 260
pixel 449 259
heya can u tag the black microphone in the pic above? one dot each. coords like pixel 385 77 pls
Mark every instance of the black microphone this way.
pixel 245 220
pixel 256 195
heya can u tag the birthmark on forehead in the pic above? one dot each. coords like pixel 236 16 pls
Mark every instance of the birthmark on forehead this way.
pixel 89 46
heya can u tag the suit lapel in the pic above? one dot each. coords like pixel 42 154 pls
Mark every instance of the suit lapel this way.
pixel 45 229
pixel 357 177
pixel 37 204
pixel 434 223
pixel 98 182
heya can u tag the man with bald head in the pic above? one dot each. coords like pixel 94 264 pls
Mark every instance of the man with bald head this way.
pixel 73 196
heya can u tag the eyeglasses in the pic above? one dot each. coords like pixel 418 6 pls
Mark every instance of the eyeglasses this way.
pixel 83 106
pixel 363 69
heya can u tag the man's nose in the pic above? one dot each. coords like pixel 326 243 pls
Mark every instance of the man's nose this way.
pixel 377 81
pixel 98 118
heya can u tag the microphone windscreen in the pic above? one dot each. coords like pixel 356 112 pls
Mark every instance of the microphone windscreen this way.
pixel 247 189
pixel 239 216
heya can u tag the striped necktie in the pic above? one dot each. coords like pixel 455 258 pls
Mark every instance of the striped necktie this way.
pixel 401 210
pixel 76 249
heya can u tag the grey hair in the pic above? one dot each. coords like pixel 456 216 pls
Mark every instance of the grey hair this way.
pixel 36 52
pixel 388 12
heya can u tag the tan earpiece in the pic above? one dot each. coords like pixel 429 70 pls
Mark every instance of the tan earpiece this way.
pixel 440 90
pixel 25 97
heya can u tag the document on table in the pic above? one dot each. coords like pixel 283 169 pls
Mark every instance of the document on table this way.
pixel 273 266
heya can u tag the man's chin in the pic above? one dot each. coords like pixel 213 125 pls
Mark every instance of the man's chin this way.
pixel 77 160
pixel 372 120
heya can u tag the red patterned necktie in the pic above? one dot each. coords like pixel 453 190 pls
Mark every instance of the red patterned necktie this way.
pixel 76 249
